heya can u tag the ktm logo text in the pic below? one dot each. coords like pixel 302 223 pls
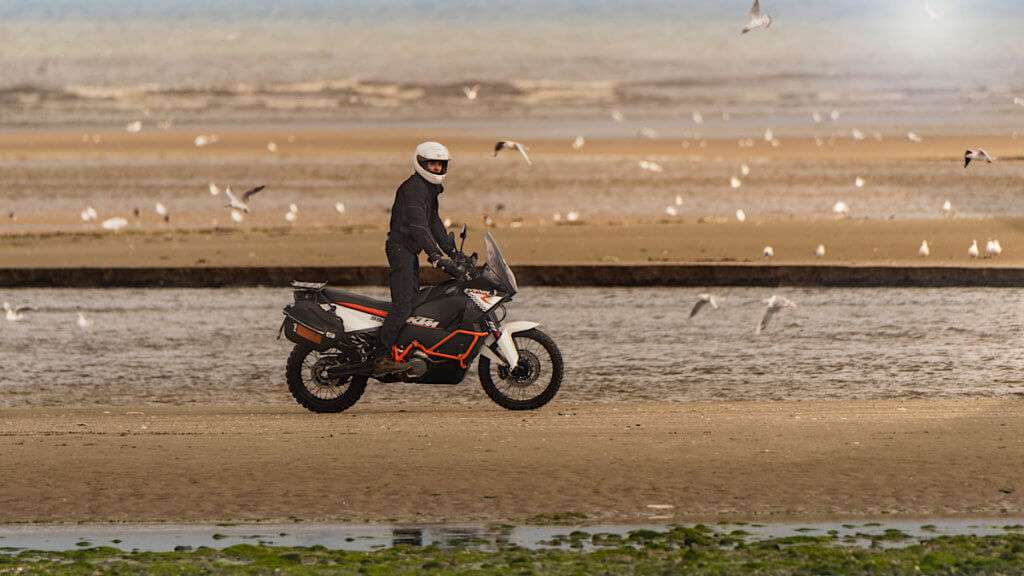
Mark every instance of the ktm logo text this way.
pixel 422 321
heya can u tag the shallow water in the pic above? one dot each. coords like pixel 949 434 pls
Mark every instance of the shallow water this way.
pixel 880 63
pixel 366 537
pixel 187 346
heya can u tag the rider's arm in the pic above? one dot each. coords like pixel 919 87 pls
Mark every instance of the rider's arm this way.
pixel 440 233
pixel 416 223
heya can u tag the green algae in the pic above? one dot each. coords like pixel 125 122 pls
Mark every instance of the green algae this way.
pixel 680 550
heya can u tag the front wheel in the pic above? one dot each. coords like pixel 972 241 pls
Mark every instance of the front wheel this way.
pixel 533 382
pixel 312 386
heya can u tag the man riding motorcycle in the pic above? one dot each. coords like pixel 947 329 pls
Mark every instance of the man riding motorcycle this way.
pixel 415 227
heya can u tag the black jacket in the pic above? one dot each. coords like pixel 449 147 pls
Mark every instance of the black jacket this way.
pixel 414 220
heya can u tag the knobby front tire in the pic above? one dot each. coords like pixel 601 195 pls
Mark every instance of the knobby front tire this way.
pixel 537 379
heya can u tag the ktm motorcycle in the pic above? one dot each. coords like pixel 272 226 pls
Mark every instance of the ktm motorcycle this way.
pixel 454 324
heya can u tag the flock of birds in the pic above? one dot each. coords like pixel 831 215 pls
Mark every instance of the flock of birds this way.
pixel 239 206
pixel 17 314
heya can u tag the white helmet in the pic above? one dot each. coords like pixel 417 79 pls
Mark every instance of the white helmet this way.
pixel 430 151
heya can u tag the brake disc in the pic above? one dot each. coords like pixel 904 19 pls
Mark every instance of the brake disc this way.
pixel 527 371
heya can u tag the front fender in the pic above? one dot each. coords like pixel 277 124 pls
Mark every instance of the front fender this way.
pixel 506 352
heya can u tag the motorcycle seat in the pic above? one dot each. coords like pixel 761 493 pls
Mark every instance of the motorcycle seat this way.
pixel 346 297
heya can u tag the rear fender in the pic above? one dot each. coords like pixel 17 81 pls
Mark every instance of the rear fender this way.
pixel 505 352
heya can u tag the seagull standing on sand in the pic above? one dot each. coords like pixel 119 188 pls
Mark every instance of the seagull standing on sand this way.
pixel 768 252
pixel 993 248
pixel 978 154
pixel 774 305
pixel 339 207
pixel 510 145
pixel 757 20
pixel 471 92
pixel 820 251
pixel 841 209
pixel 115 224
pixel 241 205
pixel 924 251
pixel 650 166
pixel 973 251
pixel 947 208
pixel 15 314
pixel 162 212
pixel 83 322
pixel 579 143
pixel 702 301
pixel 89 214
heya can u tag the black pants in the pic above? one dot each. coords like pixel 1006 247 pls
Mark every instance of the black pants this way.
pixel 404 279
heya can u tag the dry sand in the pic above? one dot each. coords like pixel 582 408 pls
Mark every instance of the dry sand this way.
pixel 745 460
pixel 56 174
pixel 847 242
pixel 19 145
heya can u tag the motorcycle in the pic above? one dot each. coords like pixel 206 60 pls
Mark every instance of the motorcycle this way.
pixel 453 324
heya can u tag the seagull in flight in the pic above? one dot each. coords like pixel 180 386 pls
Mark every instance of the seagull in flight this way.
pixel 510 145
pixel 774 305
pixel 757 20
pixel 702 301
pixel 15 314
pixel 978 154
pixel 241 205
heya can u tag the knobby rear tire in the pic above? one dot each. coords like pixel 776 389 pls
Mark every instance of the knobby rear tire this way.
pixel 303 396
pixel 555 382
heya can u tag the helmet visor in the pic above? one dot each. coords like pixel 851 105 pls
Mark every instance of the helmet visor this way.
pixel 424 161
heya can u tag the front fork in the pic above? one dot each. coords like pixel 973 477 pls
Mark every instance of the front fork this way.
pixel 499 346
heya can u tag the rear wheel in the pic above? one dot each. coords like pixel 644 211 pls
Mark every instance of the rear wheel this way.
pixel 312 387
pixel 533 382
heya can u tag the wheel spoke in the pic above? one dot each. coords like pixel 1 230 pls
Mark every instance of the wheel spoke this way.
pixel 323 391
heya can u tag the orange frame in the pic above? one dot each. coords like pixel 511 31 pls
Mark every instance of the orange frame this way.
pixel 399 355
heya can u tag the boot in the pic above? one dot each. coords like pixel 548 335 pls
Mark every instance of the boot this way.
pixel 385 364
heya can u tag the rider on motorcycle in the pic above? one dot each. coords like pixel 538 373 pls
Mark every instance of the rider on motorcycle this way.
pixel 415 227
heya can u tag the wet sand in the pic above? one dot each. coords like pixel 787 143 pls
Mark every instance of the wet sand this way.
pixel 709 461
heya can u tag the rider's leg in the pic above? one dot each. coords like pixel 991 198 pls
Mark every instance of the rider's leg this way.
pixel 404 280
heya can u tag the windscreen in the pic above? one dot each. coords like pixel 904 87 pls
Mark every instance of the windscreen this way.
pixel 497 269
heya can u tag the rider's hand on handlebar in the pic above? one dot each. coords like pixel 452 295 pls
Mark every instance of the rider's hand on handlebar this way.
pixel 449 266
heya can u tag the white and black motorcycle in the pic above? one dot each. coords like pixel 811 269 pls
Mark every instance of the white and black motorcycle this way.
pixel 453 324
